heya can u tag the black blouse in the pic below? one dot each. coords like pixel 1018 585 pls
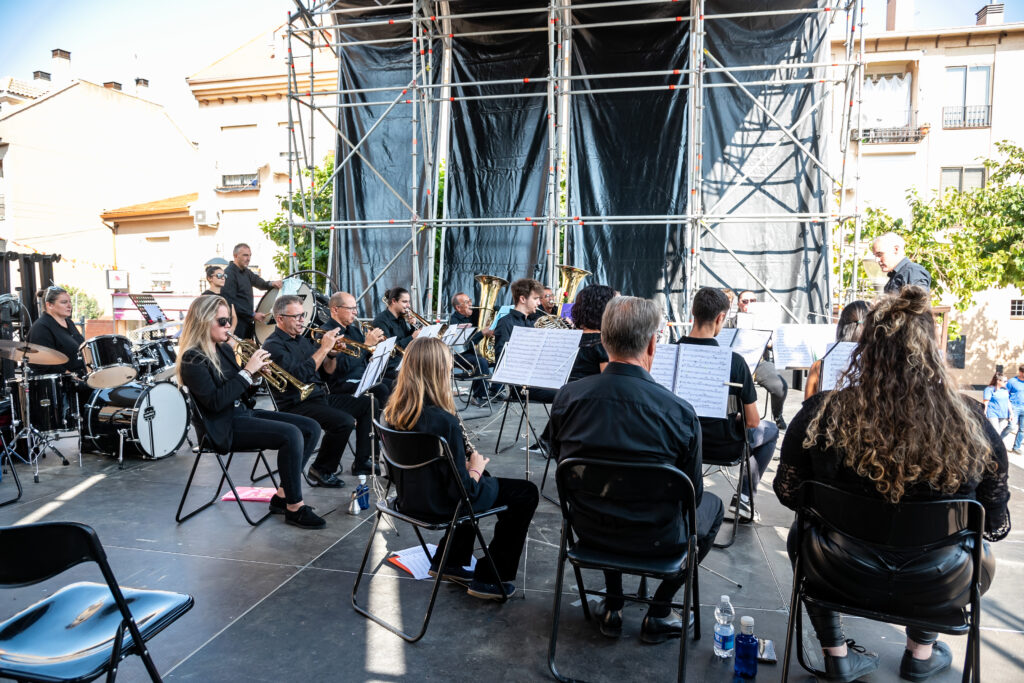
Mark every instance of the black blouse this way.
pixel 589 358
pixel 48 332
pixel 798 465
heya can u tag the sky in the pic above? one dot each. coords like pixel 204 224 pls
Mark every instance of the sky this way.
pixel 119 40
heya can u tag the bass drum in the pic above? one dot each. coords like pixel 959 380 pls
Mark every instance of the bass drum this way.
pixel 314 305
pixel 154 418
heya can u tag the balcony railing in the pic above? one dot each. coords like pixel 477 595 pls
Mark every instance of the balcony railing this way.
pixel 974 116
pixel 891 134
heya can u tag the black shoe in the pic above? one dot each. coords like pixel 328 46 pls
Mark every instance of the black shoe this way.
pixel 919 669
pixel 328 481
pixel 780 422
pixel 455 575
pixel 746 514
pixel 659 629
pixel 858 662
pixel 479 401
pixel 364 468
pixel 277 505
pixel 490 591
pixel 304 518
pixel 609 621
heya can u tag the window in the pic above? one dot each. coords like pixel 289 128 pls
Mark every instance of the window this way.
pixel 961 179
pixel 240 180
pixel 967 97
pixel 3 208
pixel 1017 308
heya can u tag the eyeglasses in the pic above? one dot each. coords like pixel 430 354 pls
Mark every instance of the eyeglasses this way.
pixel 349 308
pixel 220 276
pixel 223 322
pixel 297 316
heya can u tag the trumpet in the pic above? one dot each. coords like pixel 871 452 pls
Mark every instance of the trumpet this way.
pixel 275 375
pixel 349 347
pixel 415 320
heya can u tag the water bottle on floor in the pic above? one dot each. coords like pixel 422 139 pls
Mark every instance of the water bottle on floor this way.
pixel 746 649
pixel 725 633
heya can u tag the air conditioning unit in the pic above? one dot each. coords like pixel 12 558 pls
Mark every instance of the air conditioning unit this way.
pixel 205 216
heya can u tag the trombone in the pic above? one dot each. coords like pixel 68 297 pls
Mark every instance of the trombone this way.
pixel 349 347
pixel 275 375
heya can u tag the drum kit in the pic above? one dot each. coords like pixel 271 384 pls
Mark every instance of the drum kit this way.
pixel 132 406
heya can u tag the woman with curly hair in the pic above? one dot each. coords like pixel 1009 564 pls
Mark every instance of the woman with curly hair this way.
pixel 898 430
pixel 586 315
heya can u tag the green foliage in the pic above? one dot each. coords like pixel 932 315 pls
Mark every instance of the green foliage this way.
pixel 277 228
pixel 83 306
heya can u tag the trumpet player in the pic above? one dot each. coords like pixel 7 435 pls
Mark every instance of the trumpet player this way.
pixel 348 370
pixel 337 414
pixel 394 321
pixel 221 392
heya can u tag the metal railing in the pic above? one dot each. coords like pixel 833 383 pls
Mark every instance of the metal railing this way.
pixel 973 116
pixel 891 134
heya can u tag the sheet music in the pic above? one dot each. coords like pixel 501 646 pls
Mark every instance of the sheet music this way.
pixel 538 357
pixel 371 375
pixel 385 347
pixel 836 361
pixel 767 315
pixel 701 376
pixel 744 321
pixel 820 337
pixel 289 286
pixel 457 335
pixel 798 346
pixel 726 336
pixel 518 357
pixel 750 344
pixel 663 368
pixel 429 332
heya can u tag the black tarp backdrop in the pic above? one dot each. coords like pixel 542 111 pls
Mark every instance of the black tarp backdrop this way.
pixel 789 256
pixel 497 167
pixel 628 151
pixel 361 254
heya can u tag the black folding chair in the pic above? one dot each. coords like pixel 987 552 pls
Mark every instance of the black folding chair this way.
pixel 78 632
pixel 206 447
pixel 471 374
pixel 739 456
pixel 913 528
pixel 7 465
pixel 611 486
pixel 408 451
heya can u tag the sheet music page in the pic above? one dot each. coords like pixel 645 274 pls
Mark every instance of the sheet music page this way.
pixel 429 332
pixel 663 368
pixel 750 344
pixel 744 321
pixel 836 361
pixel 556 359
pixel 820 337
pixel 371 375
pixel 726 336
pixel 791 347
pixel 385 347
pixel 519 355
pixel 701 376
pixel 767 315
pixel 456 334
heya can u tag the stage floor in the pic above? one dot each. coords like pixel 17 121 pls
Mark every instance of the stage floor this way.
pixel 273 602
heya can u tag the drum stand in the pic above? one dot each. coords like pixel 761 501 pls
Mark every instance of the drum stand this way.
pixel 36 442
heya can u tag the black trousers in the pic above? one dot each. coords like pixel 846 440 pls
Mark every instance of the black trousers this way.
pixel 470 359
pixel 293 436
pixel 767 377
pixel 710 513
pixel 339 416
pixel 381 392
pixel 509 533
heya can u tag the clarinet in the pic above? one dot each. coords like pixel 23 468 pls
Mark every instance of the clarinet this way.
pixel 467 444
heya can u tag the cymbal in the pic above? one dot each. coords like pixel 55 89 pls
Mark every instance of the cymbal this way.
pixel 162 325
pixel 33 353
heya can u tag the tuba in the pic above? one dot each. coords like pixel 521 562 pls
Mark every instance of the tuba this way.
pixel 275 375
pixel 569 279
pixel 490 285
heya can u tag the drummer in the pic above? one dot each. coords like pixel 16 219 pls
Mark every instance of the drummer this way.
pixel 56 330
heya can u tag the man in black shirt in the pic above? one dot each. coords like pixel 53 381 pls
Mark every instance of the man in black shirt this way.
pixel 393 323
pixel 339 415
pixel 348 370
pixel 725 436
pixel 237 290
pixel 586 421
pixel 890 251
pixel 526 295
pixel 462 315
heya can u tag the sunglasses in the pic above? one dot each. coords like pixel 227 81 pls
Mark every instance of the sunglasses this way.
pixel 219 276
pixel 748 301
pixel 223 322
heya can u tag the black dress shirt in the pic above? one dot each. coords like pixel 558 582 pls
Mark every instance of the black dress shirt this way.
pixel 906 273
pixel 726 432
pixel 294 355
pixel 346 367
pixel 459 319
pixel 237 289
pixel 589 358
pixel 210 292
pixel 218 395
pixel 622 414
pixel 503 330
pixel 431 490
pixel 46 331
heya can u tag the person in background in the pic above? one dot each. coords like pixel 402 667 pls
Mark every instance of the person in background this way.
pixel 1016 388
pixel 56 330
pixel 239 281
pixel 393 321
pixel 890 252
pixel 586 316
pixel 462 314
pixel 214 284
pixel 851 322
pixel 765 374
pixel 997 404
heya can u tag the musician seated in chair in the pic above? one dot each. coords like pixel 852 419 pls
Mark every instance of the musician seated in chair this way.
pixel 765 374
pixel 422 402
pixel 900 432
pixel 462 315
pixel 221 391
pixel 394 322
pixel 548 305
pixel 348 370
pixel 56 330
pixel 623 414
pixel 337 414
pixel 586 316
pixel 526 294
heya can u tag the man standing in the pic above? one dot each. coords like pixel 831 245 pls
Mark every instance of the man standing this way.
pixel 526 295
pixel 765 374
pixel 462 315
pixel 1016 388
pixel 890 252
pixel 392 322
pixel 348 370
pixel 662 428
pixel 339 415
pixel 237 289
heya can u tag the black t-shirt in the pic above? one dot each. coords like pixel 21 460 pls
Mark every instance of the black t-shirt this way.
pixel 589 358
pixel 716 430
pixel 49 333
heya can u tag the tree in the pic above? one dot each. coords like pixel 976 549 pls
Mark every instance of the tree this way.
pixel 83 306
pixel 277 228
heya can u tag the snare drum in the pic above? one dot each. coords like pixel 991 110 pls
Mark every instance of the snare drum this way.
pixel 109 360
pixel 156 359
pixel 51 406
pixel 153 417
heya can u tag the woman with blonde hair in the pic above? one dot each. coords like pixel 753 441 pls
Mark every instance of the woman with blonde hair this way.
pixel 221 393
pixel 422 402
pixel 899 431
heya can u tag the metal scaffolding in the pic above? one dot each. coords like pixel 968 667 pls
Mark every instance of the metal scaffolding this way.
pixel 314 34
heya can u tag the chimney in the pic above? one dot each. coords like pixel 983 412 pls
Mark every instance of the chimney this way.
pixel 112 85
pixel 141 83
pixel 899 15
pixel 990 14
pixel 40 76
pixel 61 65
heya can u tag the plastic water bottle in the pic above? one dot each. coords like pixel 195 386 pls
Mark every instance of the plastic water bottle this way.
pixel 725 633
pixel 746 649
pixel 363 493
